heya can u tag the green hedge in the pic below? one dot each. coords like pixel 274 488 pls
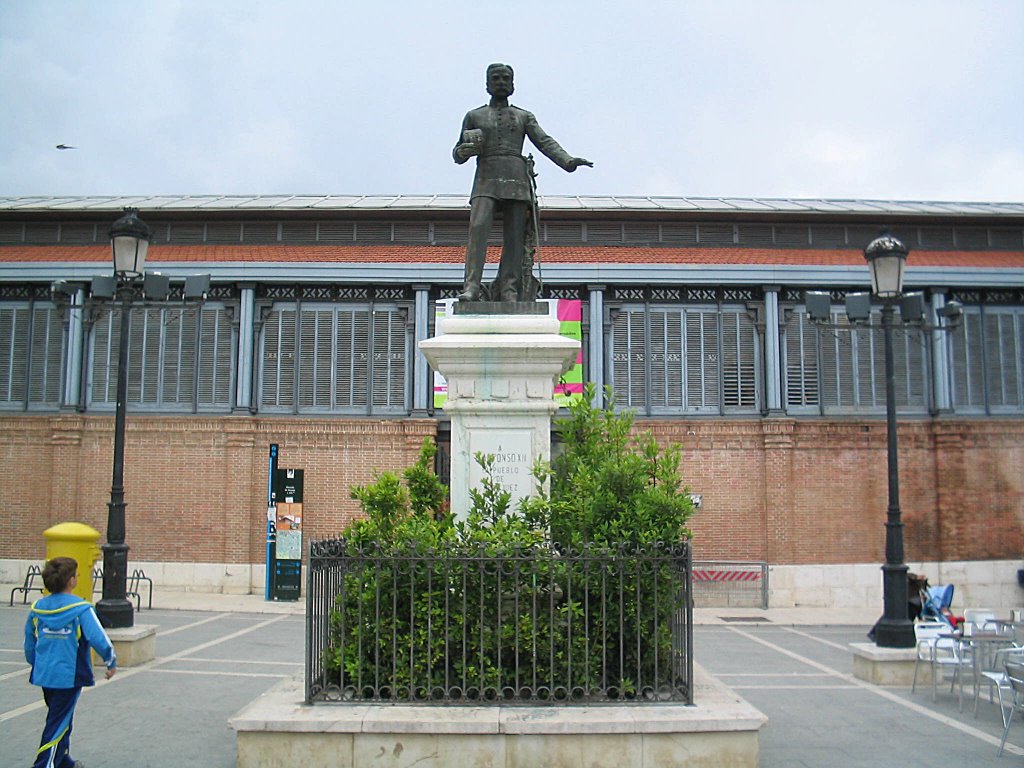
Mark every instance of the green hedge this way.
pixel 573 592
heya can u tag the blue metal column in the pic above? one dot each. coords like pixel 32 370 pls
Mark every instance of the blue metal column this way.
pixel 772 350
pixel 246 349
pixel 420 382
pixel 941 363
pixel 71 395
pixel 595 347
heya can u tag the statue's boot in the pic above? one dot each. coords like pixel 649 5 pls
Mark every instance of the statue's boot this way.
pixel 472 290
pixel 476 251
pixel 470 293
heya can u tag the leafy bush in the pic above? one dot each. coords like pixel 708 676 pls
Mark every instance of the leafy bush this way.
pixel 607 487
pixel 558 599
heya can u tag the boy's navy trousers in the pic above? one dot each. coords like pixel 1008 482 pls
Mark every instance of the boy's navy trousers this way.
pixel 56 741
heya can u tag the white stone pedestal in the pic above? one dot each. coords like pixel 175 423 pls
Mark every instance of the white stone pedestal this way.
pixel 888 666
pixel 501 372
pixel 134 646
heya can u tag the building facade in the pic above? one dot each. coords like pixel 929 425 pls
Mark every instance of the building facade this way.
pixel 691 311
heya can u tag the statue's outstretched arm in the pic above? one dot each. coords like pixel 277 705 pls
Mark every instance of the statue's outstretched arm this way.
pixel 551 148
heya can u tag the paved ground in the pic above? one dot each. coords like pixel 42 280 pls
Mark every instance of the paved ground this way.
pixel 216 653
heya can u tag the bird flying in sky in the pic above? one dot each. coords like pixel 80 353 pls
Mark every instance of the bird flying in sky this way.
pixel 65 146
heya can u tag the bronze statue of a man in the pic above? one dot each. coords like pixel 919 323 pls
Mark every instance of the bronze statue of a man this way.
pixel 494 134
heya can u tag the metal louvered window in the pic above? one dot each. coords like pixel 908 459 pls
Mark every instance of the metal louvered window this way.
pixel 841 368
pixel 802 382
pixel 32 348
pixel 692 359
pixel 178 359
pixel 987 361
pixel 326 358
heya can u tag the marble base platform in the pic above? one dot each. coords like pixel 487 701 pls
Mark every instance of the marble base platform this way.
pixel 888 666
pixel 133 645
pixel 719 731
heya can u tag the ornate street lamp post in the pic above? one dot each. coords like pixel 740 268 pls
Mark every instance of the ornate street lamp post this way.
pixel 128 287
pixel 886 257
pixel 129 240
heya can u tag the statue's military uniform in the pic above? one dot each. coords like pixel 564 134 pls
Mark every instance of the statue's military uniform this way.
pixel 502 180
pixel 500 167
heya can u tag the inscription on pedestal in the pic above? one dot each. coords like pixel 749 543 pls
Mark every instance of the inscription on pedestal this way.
pixel 513 459
pixel 500 308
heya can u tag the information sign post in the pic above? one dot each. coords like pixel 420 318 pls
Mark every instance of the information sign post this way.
pixel 287 565
pixel 271 522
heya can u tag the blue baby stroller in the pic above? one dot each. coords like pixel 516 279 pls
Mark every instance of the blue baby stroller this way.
pixel 935 603
pixel 925 603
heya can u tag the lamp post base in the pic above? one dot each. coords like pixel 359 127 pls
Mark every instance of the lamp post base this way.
pixel 115 613
pixel 115 610
pixel 895 629
pixel 895 633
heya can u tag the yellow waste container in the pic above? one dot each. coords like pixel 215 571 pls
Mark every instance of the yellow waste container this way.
pixel 79 541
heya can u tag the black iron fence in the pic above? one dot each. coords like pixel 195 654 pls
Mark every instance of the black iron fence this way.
pixel 474 626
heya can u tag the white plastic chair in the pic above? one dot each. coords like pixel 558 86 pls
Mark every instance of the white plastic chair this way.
pixel 1017 633
pixel 925 633
pixel 1015 674
pixel 995 677
pixel 939 653
pixel 980 618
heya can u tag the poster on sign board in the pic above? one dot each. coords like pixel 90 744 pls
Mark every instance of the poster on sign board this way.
pixel 289 530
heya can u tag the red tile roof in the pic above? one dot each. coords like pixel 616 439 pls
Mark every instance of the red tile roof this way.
pixel 571 254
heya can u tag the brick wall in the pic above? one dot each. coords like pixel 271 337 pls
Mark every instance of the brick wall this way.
pixel 783 490
pixel 816 491
pixel 196 488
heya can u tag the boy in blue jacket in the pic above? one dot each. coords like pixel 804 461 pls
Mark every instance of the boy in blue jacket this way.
pixel 58 633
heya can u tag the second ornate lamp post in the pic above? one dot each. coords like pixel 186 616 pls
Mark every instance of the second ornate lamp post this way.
pixel 119 293
pixel 886 257
pixel 129 239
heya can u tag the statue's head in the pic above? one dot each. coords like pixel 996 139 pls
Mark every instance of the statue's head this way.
pixel 499 80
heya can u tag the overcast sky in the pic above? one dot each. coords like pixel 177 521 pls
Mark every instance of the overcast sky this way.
pixel 825 98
